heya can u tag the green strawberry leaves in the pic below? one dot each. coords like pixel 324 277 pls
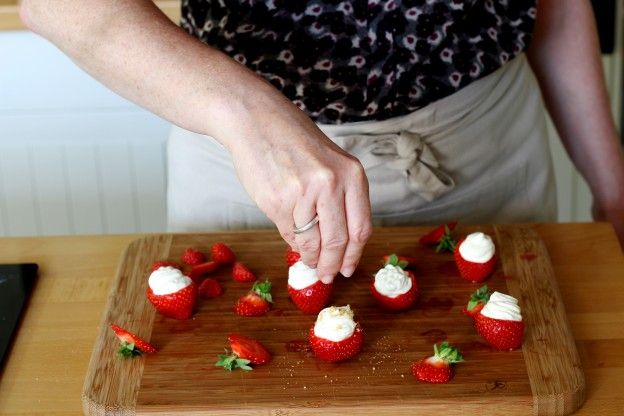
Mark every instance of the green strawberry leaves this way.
pixel 393 260
pixel 448 353
pixel 128 350
pixel 481 295
pixel 447 242
pixel 263 289
pixel 231 362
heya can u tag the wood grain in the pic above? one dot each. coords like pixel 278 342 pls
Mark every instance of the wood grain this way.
pixel 181 377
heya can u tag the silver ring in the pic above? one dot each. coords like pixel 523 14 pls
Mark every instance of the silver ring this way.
pixel 306 227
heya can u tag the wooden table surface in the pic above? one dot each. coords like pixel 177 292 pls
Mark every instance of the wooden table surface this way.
pixel 47 364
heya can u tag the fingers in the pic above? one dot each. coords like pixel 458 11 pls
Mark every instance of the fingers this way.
pixel 334 235
pixel 359 225
pixel 308 242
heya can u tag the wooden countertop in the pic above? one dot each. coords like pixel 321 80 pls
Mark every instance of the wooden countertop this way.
pixel 46 367
pixel 10 20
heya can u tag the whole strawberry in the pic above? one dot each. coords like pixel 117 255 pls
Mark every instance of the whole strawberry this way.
pixel 245 351
pixel 336 336
pixel 172 294
pixel 241 273
pixel 131 344
pixel 441 237
pixel 192 257
pixel 475 257
pixel 439 367
pixel 222 254
pixel 393 287
pixel 477 301
pixel 500 322
pixel 292 256
pixel 257 302
pixel 305 289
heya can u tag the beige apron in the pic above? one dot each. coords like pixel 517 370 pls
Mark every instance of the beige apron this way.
pixel 480 156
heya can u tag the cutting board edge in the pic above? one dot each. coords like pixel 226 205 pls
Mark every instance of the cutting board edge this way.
pixel 90 405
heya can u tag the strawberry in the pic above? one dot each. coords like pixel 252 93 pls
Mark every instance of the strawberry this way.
pixel 292 256
pixel 437 368
pixel 198 271
pixel 163 263
pixel 501 334
pixel 257 302
pixel 441 237
pixel 176 305
pixel 222 254
pixel 131 344
pixel 313 298
pixel 210 288
pixel 403 261
pixel 241 273
pixel 391 275
pixel 245 351
pixel 334 351
pixel 472 271
pixel 477 301
pixel 193 257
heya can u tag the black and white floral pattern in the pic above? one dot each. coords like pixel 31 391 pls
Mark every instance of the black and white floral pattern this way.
pixel 354 60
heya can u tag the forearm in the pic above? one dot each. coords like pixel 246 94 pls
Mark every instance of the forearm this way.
pixel 565 57
pixel 134 49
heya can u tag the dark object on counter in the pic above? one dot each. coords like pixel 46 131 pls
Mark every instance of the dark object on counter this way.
pixel 16 284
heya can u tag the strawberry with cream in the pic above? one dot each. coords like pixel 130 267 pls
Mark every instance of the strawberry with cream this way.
pixel 172 293
pixel 336 336
pixel 475 257
pixel 306 290
pixel 393 287
pixel 497 319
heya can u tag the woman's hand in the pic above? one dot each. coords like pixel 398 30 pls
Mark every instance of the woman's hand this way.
pixel 294 172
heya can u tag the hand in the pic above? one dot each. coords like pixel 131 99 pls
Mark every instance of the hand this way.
pixel 294 172
pixel 614 215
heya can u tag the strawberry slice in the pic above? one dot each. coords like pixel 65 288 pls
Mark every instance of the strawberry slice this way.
pixel 131 344
pixel 441 237
pixel 477 301
pixel 245 351
pixel 193 257
pixel 163 263
pixel 198 271
pixel 292 256
pixel 241 273
pixel 223 254
pixel 437 368
pixel 210 288
pixel 257 302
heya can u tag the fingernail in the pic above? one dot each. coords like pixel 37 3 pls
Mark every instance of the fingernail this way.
pixel 347 271
pixel 327 279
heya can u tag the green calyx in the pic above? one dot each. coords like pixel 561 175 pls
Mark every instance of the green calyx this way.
pixel 448 353
pixel 447 242
pixel 481 295
pixel 393 260
pixel 231 362
pixel 263 289
pixel 128 350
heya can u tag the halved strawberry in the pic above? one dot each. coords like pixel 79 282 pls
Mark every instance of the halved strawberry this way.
pixel 176 305
pixel 333 351
pixel 292 256
pixel 241 273
pixel 437 368
pixel 191 257
pixel 163 263
pixel 223 254
pixel 131 344
pixel 501 334
pixel 313 298
pixel 198 271
pixel 441 237
pixel 210 288
pixel 257 302
pixel 477 301
pixel 472 271
pixel 245 351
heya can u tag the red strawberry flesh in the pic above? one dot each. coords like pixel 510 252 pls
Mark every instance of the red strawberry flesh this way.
pixel 333 351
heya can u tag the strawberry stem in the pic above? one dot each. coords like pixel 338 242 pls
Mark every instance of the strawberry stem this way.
pixel 481 295
pixel 128 350
pixel 263 289
pixel 232 361
pixel 448 353
pixel 446 243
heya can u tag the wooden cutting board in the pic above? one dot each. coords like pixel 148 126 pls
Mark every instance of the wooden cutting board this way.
pixel 543 378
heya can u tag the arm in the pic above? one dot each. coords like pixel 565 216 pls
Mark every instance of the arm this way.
pixel 565 57
pixel 285 163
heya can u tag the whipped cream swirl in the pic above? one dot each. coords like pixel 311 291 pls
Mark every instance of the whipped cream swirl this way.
pixel 501 306
pixel 335 323
pixel 392 281
pixel 166 280
pixel 477 248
